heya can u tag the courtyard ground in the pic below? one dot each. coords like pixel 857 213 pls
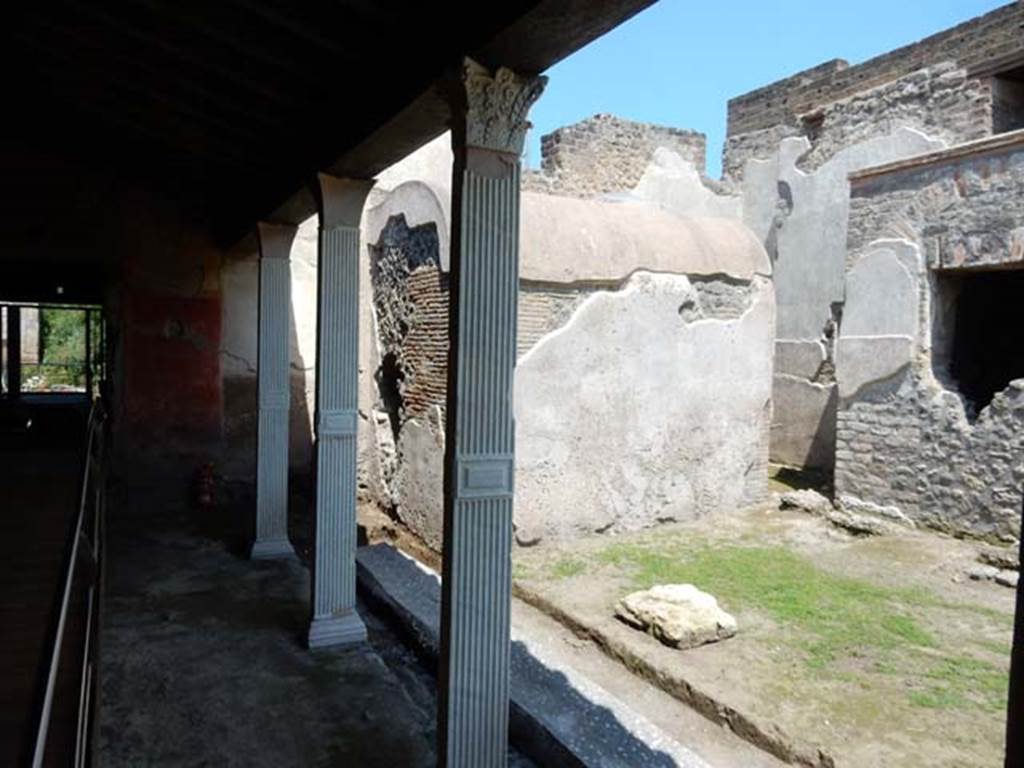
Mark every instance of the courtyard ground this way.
pixel 851 651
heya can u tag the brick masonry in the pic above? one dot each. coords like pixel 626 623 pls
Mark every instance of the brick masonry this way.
pixel 605 154
pixel 976 45
pixel 907 442
pixel 939 100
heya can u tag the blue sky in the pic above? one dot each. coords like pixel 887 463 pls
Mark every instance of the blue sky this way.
pixel 680 61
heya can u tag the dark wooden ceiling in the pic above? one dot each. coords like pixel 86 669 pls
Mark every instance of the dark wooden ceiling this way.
pixel 228 107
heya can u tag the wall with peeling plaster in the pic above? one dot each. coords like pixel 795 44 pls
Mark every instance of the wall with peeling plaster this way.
pixel 795 193
pixel 647 350
pixel 909 444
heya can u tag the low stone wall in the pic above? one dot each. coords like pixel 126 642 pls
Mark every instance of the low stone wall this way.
pixel 909 444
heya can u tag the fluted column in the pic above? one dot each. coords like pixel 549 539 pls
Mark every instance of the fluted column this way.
pixel 335 621
pixel 488 127
pixel 273 385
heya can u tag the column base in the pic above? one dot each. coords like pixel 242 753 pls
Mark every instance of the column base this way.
pixel 347 629
pixel 271 549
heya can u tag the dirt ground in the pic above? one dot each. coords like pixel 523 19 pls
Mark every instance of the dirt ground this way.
pixel 852 651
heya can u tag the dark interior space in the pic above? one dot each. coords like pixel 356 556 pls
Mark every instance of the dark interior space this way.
pixel 1008 100
pixel 987 350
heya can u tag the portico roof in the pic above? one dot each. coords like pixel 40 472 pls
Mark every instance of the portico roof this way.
pixel 229 108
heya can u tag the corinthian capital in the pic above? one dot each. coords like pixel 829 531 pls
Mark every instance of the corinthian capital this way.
pixel 494 107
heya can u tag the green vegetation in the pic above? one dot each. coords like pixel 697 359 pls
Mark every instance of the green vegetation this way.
pixel 62 361
pixel 837 624
pixel 62 338
pixel 568 566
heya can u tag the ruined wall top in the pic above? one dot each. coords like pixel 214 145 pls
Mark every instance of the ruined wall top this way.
pixel 605 153
pixel 974 45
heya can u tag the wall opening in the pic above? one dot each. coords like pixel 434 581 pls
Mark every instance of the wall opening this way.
pixel 51 348
pixel 978 334
pixel 1008 100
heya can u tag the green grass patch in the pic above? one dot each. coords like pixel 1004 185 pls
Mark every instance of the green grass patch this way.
pixel 567 567
pixel 836 622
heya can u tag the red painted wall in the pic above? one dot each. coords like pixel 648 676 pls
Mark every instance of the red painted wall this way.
pixel 172 381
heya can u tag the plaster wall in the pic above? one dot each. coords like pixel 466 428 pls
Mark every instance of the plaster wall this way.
pixel 648 406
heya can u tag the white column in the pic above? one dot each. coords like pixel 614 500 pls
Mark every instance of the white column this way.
pixel 335 621
pixel 488 127
pixel 273 384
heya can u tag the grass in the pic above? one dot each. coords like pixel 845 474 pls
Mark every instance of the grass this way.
pixel 567 567
pixel 835 622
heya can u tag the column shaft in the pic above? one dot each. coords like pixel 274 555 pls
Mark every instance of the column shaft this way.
pixel 480 428
pixel 274 359
pixel 335 620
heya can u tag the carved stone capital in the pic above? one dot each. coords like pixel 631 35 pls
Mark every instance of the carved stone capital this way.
pixel 490 109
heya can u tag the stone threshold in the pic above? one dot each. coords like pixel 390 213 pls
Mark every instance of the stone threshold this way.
pixel 763 734
pixel 557 716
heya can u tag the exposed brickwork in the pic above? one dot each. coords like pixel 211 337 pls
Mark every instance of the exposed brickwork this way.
pixel 543 309
pixel 965 211
pixel 410 296
pixel 910 442
pixel 426 346
pixel 940 101
pixel 987 39
pixel 913 449
pixel 605 154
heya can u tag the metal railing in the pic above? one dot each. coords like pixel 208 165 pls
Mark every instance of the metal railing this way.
pixel 68 675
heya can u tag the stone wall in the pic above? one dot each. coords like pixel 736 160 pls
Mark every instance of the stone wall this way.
pixel 939 100
pixel 796 197
pixel 975 44
pixel 909 445
pixel 789 148
pixel 605 154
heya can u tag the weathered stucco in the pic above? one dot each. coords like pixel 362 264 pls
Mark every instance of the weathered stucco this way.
pixel 632 414
pixel 713 279
pixel 802 217
pixel 565 240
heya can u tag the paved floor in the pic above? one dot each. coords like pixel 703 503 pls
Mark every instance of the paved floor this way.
pixel 204 662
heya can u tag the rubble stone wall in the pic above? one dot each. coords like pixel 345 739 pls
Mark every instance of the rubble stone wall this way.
pixel 908 444
pixel 605 154
pixel 940 100
pixel 974 45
